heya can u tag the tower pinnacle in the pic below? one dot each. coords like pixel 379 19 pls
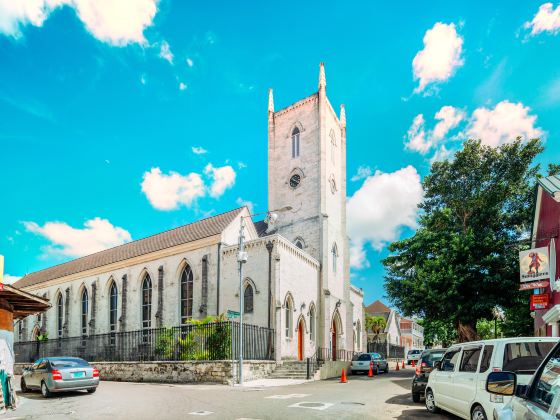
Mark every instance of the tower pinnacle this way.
pixel 342 116
pixel 270 101
pixel 322 78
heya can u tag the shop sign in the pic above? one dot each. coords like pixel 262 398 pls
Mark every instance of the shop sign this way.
pixel 534 285
pixel 534 265
pixel 539 301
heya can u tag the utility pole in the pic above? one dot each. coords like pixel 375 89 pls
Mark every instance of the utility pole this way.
pixel 241 258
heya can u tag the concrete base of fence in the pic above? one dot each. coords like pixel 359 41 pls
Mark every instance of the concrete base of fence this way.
pixel 215 371
pixel 332 369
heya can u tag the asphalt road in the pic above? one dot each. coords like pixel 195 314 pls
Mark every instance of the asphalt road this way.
pixel 384 397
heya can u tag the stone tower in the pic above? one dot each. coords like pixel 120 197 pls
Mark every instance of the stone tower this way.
pixel 307 171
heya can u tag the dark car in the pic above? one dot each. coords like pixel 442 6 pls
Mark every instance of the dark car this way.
pixel 60 374
pixel 423 369
pixel 363 361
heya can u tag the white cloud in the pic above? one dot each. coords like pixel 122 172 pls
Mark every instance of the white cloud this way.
pixel 503 124
pixel 222 179
pixel 240 202
pixel 421 140
pixel 116 22
pixel 547 19
pixel 198 150
pixel 182 86
pixel 10 279
pixel 190 63
pixel 98 234
pixel 168 191
pixel 440 57
pixel 241 165
pixel 165 52
pixel 143 79
pixel 441 154
pixel 377 211
pixel 362 173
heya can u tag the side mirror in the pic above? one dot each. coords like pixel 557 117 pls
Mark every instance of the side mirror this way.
pixel 437 365
pixel 501 383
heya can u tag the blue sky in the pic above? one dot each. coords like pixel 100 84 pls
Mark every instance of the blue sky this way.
pixel 117 122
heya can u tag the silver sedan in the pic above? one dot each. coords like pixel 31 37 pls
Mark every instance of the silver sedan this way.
pixel 60 374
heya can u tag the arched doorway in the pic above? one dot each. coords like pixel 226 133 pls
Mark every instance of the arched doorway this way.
pixel 300 340
pixel 333 339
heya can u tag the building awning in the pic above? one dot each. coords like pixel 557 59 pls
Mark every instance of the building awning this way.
pixel 23 303
pixel 551 184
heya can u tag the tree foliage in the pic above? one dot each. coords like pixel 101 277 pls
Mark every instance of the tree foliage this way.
pixel 375 325
pixel 463 260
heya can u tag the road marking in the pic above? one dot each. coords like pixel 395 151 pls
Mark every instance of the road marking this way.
pixel 312 405
pixel 288 396
pixel 201 413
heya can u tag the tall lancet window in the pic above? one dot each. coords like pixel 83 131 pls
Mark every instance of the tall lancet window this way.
pixel 186 294
pixel 295 142
pixel 113 307
pixel 334 258
pixel 85 306
pixel 59 315
pixel 146 302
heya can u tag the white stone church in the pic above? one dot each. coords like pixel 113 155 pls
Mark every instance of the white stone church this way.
pixel 296 278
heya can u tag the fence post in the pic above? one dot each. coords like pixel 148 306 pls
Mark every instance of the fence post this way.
pixel 308 369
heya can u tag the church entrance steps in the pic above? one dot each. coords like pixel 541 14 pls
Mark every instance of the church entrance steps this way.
pixel 291 370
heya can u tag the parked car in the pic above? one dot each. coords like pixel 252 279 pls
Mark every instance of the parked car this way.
pixel 60 374
pixel 538 400
pixel 413 355
pixel 363 361
pixel 423 369
pixel 458 382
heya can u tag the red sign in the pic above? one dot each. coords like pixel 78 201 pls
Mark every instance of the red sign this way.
pixel 1 287
pixel 534 285
pixel 539 301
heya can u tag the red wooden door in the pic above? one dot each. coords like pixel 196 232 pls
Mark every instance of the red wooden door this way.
pixel 300 340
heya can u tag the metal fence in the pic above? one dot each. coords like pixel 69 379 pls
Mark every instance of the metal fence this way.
pixel 212 341
pixel 387 350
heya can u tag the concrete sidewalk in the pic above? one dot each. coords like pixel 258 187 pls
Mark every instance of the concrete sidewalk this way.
pixel 268 383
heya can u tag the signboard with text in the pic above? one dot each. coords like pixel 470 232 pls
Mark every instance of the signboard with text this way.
pixel 539 301
pixel 534 285
pixel 534 265
pixel 232 314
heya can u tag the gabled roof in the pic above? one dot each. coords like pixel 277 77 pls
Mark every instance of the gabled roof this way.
pixel 551 184
pixel 377 307
pixel 198 230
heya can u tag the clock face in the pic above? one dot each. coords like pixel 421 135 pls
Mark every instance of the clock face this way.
pixel 295 180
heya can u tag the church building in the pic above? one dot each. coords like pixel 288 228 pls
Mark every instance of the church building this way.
pixel 296 279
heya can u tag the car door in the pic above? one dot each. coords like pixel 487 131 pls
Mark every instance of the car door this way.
pixel 543 400
pixel 40 373
pixel 464 380
pixel 443 383
pixel 31 378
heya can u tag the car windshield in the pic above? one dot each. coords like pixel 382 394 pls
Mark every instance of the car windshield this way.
pixel 414 352
pixel 364 357
pixel 377 356
pixel 525 358
pixel 432 357
pixel 68 363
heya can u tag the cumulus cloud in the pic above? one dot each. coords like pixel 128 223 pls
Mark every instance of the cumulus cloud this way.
pixel 165 52
pixel 198 150
pixel 440 57
pixel 362 173
pixel 182 86
pixel 502 124
pixel 222 179
pixel 547 19
pixel 240 202
pixel 96 235
pixel 10 279
pixel 168 191
pixel 384 204
pixel 116 22
pixel 421 140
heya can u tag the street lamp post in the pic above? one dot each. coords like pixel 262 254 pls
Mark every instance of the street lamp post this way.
pixel 242 259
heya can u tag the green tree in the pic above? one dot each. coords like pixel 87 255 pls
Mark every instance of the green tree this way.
pixel 438 333
pixel 375 325
pixel 462 260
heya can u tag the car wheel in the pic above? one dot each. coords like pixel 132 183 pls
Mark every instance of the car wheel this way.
pixel 91 390
pixel 353 372
pixel 386 368
pixel 416 397
pixel 44 390
pixel 23 386
pixel 478 413
pixel 431 402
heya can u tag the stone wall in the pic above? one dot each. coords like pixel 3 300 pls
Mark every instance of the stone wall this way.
pixel 221 372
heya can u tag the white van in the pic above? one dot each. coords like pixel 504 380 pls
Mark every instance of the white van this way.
pixel 458 382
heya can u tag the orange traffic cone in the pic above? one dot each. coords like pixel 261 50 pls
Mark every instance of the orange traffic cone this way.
pixel 343 377
pixel 397 369
pixel 370 373
pixel 403 364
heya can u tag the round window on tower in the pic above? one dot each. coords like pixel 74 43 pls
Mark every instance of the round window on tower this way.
pixel 295 180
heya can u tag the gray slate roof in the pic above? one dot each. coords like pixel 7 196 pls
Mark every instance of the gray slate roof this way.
pixel 550 184
pixel 198 230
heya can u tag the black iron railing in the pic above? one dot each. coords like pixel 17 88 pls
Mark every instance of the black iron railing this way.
pixel 387 350
pixel 212 341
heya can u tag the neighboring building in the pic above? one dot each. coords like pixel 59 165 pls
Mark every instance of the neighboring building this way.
pixel 391 334
pixel 296 279
pixel 546 231
pixel 412 334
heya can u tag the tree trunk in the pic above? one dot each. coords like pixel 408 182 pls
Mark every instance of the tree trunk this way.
pixel 466 331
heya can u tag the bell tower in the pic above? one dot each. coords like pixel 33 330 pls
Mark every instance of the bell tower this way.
pixel 307 171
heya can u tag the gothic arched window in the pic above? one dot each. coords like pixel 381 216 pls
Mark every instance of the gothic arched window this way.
pixel 113 307
pixel 312 322
pixel 288 309
pixel 295 142
pixel 334 252
pixel 146 302
pixel 84 317
pixel 299 242
pixel 59 315
pixel 248 299
pixel 186 294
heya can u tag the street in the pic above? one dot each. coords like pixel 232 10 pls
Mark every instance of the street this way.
pixel 382 397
